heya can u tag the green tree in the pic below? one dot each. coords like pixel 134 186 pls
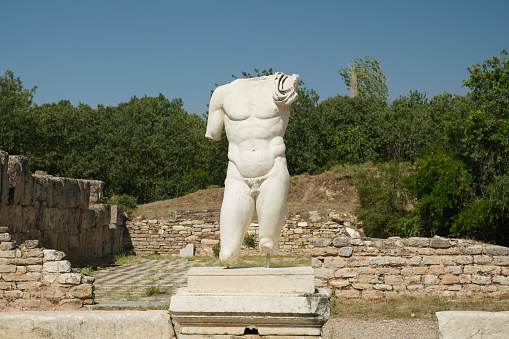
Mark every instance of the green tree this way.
pixel 364 78
pixel 349 129
pixel 16 133
pixel 440 183
pixel 487 128
pixel 382 200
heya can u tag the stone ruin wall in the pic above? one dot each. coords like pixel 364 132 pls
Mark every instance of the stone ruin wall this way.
pixel 62 213
pixel 378 268
pixel 33 278
pixel 352 267
pixel 169 237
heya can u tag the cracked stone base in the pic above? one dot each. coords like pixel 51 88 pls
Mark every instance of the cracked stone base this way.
pixel 284 313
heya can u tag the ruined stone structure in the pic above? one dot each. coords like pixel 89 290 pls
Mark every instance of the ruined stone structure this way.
pixel 34 278
pixel 378 268
pixel 169 237
pixel 62 213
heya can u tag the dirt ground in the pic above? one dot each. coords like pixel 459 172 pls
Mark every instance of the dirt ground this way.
pixel 323 193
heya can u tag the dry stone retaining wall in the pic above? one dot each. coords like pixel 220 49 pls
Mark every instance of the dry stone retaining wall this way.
pixel 378 268
pixel 169 237
pixel 62 213
pixel 33 278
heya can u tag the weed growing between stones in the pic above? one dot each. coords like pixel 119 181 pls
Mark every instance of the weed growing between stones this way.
pixel 155 290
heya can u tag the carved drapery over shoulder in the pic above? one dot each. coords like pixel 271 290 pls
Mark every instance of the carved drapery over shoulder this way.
pixel 285 90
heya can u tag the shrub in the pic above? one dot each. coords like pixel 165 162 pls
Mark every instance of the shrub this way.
pixel 382 200
pixel 216 249
pixel 250 241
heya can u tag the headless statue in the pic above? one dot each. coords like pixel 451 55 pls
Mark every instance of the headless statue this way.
pixel 255 114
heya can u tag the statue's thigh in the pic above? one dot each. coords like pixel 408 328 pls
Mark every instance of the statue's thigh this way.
pixel 271 203
pixel 238 205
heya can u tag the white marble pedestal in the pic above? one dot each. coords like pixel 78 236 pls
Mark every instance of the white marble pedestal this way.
pixel 275 302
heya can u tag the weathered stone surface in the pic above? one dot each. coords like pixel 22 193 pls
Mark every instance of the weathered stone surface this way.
pixel 86 325
pixel 438 242
pixel 321 242
pixel 496 250
pixel 83 291
pixel 5 237
pixel 187 251
pixel 342 241
pixel 61 266
pixel 70 278
pixel 345 251
pixel 418 242
pixel 53 255
pixel 472 324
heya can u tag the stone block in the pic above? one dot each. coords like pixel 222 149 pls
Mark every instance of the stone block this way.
pixel 472 324
pixel 315 263
pixel 437 269
pixel 393 279
pixel 25 261
pixel 347 293
pixel 464 259
pixel 501 260
pixel 204 315
pixel 477 249
pixel 418 242
pixel 429 279
pixel 454 269
pixel 187 251
pixel 70 278
pixel 53 255
pixel 395 261
pixel 5 237
pixel 345 252
pixel 481 280
pixel 431 260
pixel 341 241
pixel 61 266
pixel 15 294
pixel 482 259
pixel 359 262
pixel 83 291
pixel 321 242
pixel 339 283
pixel 376 261
pixel 346 272
pixel 438 242
pixel 8 254
pixel 382 287
pixel 324 273
pixel 372 294
pixel 496 250
pixel 252 280
pixel 86 325
pixel 449 279
pixel 324 251
pixel 8 269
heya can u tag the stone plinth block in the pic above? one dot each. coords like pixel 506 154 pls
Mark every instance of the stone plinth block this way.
pixel 473 324
pixel 251 280
pixel 84 325
pixel 268 314
pixel 229 301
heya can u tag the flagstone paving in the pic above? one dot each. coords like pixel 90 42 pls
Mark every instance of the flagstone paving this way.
pixel 130 284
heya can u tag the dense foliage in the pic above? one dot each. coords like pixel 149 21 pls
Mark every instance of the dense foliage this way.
pixel 441 163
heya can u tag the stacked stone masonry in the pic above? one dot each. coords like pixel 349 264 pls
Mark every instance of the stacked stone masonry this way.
pixel 169 237
pixel 62 213
pixel 33 278
pixel 378 268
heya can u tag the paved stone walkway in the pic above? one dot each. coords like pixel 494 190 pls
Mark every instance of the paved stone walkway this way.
pixel 142 282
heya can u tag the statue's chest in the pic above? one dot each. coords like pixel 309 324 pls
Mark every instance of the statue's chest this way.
pixel 251 100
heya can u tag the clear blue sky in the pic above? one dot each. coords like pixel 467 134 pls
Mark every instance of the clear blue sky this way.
pixel 105 52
